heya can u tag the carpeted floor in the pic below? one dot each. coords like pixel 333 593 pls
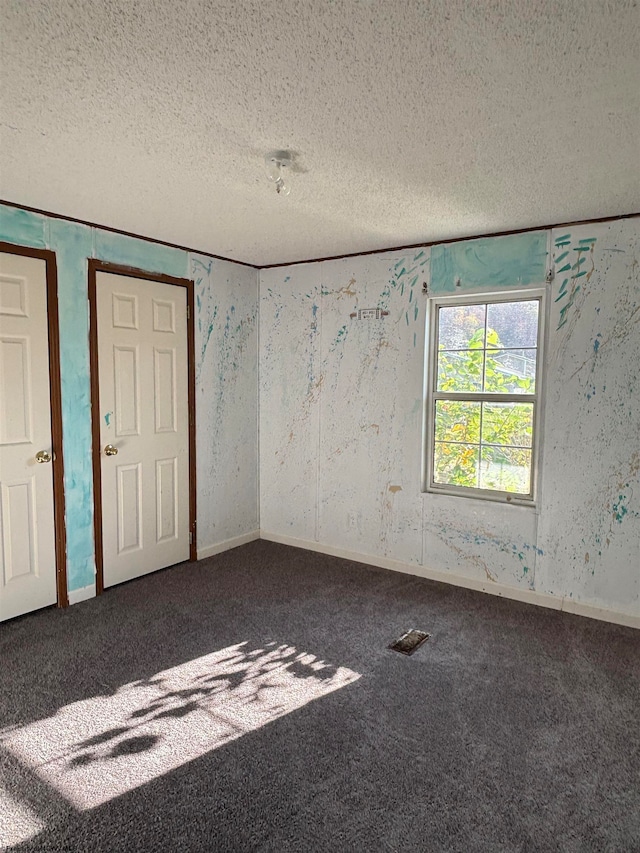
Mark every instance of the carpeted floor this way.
pixel 250 702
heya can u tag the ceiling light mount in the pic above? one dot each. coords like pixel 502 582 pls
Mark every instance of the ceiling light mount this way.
pixel 279 165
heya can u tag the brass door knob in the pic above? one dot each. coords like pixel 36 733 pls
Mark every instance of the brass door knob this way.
pixel 43 456
pixel 110 450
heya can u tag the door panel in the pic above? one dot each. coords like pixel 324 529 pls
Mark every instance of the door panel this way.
pixel 27 556
pixel 166 499
pixel 127 401
pixel 143 389
pixel 19 532
pixel 15 426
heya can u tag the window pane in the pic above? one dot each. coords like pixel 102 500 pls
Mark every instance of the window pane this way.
pixel 511 371
pixel 515 324
pixel 456 464
pixel 460 371
pixel 457 420
pixel 507 423
pixel 506 470
pixel 461 327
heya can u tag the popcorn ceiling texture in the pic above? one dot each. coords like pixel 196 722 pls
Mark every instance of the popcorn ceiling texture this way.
pixel 412 121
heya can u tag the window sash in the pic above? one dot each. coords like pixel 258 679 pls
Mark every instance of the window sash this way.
pixel 432 396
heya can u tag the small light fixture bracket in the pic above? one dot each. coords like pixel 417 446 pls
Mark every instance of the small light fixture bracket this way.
pixel 278 165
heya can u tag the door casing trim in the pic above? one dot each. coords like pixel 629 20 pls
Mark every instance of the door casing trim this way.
pixel 96 266
pixel 55 394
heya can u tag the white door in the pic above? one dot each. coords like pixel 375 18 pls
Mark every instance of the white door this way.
pixel 27 557
pixel 144 425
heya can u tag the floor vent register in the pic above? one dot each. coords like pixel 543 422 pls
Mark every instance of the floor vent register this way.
pixel 409 642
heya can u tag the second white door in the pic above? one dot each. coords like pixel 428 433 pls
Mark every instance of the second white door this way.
pixel 144 425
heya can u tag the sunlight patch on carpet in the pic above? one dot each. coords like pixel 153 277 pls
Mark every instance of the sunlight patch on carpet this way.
pixel 17 821
pixel 97 749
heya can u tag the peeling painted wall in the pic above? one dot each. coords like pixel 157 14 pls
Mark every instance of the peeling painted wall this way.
pixel 225 367
pixel 341 415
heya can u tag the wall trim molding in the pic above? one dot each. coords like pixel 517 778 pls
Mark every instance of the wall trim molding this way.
pixel 228 544
pixel 541 599
pixel 82 594
pixel 51 215
pixel 428 244
pixel 425 244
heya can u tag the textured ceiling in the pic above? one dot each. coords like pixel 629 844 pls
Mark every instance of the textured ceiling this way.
pixel 412 121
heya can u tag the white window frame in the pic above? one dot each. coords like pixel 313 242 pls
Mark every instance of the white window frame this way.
pixel 431 395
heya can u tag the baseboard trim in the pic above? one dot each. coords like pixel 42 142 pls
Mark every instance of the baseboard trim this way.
pixel 541 599
pixel 83 594
pixel 228 544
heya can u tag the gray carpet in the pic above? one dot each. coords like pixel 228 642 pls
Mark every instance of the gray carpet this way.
pixel 250 702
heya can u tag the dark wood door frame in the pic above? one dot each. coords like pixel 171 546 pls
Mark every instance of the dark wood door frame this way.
pixel 95 267
pixel 55 392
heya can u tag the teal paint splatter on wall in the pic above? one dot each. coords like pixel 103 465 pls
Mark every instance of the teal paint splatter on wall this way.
pixel 207 310
pixel 22 227
pixel 342 334
pixel 130 252
pixel 206 335
pixel 573 270
pixel 620 508
pixel 72 244
pixel 511 261
pixel 404 276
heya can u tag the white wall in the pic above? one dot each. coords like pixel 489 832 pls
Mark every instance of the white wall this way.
pixel 226 343
pixel 589 528
pixel 341 422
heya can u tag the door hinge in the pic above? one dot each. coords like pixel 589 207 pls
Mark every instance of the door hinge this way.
pixel 190 538
pixel 188 313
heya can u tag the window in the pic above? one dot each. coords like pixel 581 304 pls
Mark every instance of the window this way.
pixel 483 392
